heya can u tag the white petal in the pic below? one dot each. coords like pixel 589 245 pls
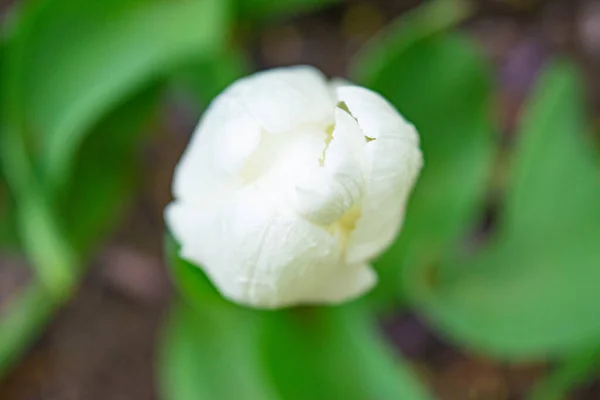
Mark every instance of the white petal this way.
pixel 347 284
pixel 376 229
pixel 276 101
pixel 224 139
pixel 262 257
pixel 283 99
pixel 344 155
pixel 375 115
pixel 274 214
pixel 282 160
pixel 392 163
pixel 326 193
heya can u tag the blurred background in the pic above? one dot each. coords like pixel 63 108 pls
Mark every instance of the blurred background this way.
pixel 101 343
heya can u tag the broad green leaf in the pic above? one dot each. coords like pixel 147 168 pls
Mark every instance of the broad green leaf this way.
pixel 305 353
pixel 83 58
pixel 189 279
pixel 36 223
pixel 439 82
pixel 204 79
pixel 334 353
pixel 534 289
pixel 429 19
pixel 212 353
pixel 269 8
pixel 8 225
pixel 105 169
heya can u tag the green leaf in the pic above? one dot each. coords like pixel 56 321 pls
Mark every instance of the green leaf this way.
pixel 304 353
pixel 533 290
pixel 255 9
pixel 212 353
pixel 36 223
pixel 190 280
pixel 404 34
pixel 50 253
pixel 39 233
pixel 334 353
pixel 439 82
pixel 8 224
pixel 83 58
pixel 106 168
pixel 204 79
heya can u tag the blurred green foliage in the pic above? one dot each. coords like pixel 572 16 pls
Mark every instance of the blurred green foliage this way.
pixel 205 78
pixel 532 291
pixel 303 353
pixel 106 169
pixel 108 50
pixel 263 9
pixel 443 86
pixel 335 352
pixel 79 81
pixel 212 353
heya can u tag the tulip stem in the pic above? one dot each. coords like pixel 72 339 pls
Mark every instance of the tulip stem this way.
pixel 51 255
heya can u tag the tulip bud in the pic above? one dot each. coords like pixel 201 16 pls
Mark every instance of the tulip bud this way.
pixel 290 186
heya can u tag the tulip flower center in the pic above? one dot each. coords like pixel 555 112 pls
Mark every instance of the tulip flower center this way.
pixel 314 170
pixel 280 158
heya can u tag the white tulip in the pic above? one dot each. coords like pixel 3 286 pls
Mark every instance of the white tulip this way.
pixel 290 186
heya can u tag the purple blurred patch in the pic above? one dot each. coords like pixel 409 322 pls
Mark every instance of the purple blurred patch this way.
pixel 521 66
